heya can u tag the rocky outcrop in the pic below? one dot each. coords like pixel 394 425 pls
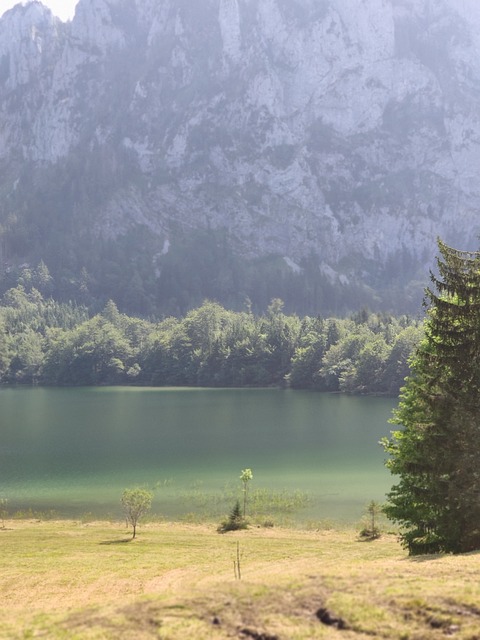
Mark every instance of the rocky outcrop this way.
pixel 344 131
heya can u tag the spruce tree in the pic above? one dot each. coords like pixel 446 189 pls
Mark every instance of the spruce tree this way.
pixel 437 453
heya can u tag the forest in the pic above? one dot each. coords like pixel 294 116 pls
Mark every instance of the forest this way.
pixel 46 342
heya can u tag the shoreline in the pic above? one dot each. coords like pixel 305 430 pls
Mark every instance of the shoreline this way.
pixel 205 524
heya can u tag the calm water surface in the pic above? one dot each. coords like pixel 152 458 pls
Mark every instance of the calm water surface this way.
pixel 75 450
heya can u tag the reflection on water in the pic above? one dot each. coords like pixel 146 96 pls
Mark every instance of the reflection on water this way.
pixel 75 450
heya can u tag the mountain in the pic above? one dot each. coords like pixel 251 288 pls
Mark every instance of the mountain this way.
pixel 161 151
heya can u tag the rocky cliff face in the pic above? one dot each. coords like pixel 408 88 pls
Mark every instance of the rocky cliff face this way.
pixel 345 135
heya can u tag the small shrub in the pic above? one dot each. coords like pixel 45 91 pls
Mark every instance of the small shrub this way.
pixel 235 520
pixel 268 523
pixel 371 531
pixel 369 534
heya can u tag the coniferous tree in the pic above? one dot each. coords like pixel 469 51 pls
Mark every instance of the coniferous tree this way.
pixel 437 454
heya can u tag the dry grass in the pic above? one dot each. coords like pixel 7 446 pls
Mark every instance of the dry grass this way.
pixel 88 581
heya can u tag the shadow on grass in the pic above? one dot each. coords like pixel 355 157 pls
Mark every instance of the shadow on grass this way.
pixel 427 557
pixel 368 538
pixel 122 541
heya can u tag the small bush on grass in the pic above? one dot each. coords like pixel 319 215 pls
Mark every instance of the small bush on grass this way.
pixel 235 520
pixel 371 531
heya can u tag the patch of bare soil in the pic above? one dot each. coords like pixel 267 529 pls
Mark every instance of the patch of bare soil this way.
pixel 240 611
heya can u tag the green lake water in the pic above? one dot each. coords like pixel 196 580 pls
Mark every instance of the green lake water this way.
pixel 75 450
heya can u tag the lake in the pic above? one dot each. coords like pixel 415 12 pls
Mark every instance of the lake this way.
pixel 74 450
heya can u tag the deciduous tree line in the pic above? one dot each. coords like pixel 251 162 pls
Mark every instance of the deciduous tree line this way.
pixel 51 343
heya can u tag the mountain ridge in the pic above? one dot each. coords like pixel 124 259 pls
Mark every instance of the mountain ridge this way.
pixel 333 143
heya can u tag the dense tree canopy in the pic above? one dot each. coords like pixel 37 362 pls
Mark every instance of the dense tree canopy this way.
pixel 437 453
pixel 46 342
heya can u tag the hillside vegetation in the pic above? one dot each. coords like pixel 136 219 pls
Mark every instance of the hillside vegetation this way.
pixel 46 342
pixel 163 153
pixel 89 581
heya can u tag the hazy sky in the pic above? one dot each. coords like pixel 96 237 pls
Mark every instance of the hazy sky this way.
pixel 64 9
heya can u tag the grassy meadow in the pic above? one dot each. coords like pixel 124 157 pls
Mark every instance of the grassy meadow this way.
pixel 73 579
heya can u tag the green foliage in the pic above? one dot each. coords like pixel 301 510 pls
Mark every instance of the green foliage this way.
pixel 246 476
pixel 276 502
pixel 136 503
pixel 94 352
pixel 312 346
pixel 235 520
pixel 26 321
pixel 47 342
pixel 371 531
pixel 437 453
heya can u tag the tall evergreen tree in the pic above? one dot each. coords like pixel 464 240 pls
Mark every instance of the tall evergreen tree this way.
pixel 437 454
